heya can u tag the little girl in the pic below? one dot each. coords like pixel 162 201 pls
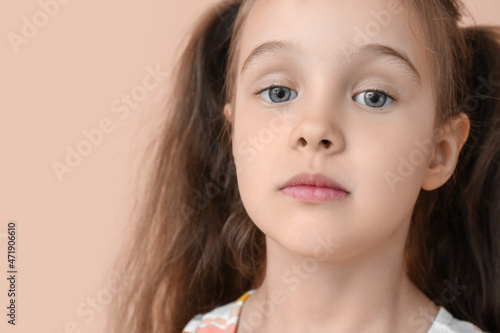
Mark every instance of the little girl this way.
pixel 324 166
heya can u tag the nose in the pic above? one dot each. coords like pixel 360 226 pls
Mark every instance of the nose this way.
pixel 318 131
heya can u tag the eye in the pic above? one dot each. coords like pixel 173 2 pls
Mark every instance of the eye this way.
pixel 373 99
pixel 278 94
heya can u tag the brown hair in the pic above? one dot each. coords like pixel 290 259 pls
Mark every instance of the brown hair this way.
pixel 193 246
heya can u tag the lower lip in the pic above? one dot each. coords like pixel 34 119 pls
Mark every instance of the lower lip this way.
pixel 314 193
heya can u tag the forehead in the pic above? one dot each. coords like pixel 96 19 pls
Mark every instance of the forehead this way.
pixel 328 30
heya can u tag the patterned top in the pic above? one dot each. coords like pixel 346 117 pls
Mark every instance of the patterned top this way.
pixel 223 319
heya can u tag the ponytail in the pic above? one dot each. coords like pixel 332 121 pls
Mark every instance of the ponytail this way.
pixel 454 242
pixel 193 247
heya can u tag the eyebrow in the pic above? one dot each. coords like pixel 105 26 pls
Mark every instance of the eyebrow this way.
pixel 274 47
pixel 269 49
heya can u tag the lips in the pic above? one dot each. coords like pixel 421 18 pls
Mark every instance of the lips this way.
pixel 313 187
pixel 319 180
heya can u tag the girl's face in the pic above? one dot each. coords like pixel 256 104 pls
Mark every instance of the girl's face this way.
pixel 354 75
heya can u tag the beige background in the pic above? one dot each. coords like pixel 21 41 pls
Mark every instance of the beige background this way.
pixel 61 82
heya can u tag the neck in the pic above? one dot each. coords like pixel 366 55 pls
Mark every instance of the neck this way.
pixel 367 293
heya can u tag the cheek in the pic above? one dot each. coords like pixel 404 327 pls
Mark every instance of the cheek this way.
pixel 256 137
pixel 264 161
pixel 257 131
pixel 393 171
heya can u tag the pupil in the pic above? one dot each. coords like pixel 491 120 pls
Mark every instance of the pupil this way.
pixel 277 94
pixel 375 98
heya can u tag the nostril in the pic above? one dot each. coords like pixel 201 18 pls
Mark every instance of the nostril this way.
pixel 326 143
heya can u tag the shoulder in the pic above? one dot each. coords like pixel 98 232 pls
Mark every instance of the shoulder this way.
pixel 221 319
pixel 446 323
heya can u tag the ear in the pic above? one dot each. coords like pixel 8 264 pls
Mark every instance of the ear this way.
pixel 449 141
pixel 228 112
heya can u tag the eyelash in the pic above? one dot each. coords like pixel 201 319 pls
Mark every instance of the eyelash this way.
pixel 272 86
pixel 379 90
